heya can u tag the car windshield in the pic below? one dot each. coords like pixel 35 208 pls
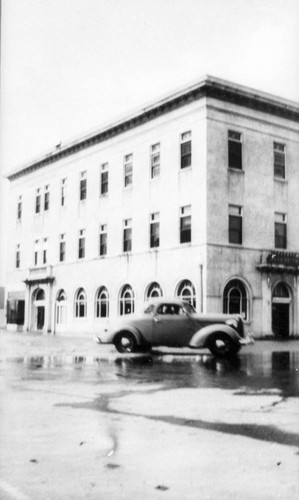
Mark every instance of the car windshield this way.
pixel 149 309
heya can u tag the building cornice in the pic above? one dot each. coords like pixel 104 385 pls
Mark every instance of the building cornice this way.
pixel 208 87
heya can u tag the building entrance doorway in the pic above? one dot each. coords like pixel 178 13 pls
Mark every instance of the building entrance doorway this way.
pixel 281 302
pixel 40 321
pixel 38 311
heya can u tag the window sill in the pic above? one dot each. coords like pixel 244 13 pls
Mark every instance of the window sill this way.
pixel 236 170
pixel 236 245
pixel 185 169
pixel 280 179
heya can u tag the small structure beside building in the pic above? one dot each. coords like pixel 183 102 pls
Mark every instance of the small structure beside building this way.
pixel 195 196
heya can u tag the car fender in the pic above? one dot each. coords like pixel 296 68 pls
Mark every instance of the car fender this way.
pixel 133 330
pixel 201 337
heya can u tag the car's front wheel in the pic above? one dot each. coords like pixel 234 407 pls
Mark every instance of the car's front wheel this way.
pixel 222 346
pixel 125 342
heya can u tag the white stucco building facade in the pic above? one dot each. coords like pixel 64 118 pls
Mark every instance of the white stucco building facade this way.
pixel 194 196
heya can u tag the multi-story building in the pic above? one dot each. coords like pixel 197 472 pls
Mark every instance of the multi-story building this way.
pixel 195 196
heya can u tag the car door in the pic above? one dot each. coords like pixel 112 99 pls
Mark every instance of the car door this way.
pixel 172 326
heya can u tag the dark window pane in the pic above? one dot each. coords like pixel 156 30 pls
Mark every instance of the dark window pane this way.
pixel 185 229
pixel 127 246
pixel 235 229
pixel 104 183
pixel 280 235
pixel 235 154
pixel 186 154
pixel 83 189
pixel 154 236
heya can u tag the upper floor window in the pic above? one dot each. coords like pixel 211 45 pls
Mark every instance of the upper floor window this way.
pixel 280 230
pixel 46 198
pixel 19 210
pixel 62 192
pixel 104 179
pixel 127 235
pixel 235 224
pixel 185 224
pixel 62 248
pixel 45 250
pixel 128 170
pixel 18 255
pixel 83 186
pixel 154 230
pixel 36 252
pixel 155 160
pixel 37 201
pixel 279 160
pixel 234 150
pixel 103 240
pixel 186 153
pixel 81 248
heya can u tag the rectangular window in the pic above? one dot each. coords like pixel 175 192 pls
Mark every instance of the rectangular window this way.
pixel 46 198
pixel 104 179
pixel 37 201
pixel 81 249
pixel 62 192
pixel 62 248
pixel 36 251
pixel 154 230
pixel 186 149
pixel 103 240
pixel 280 230
pixel 185 224
pixel 128 170
pixel 83 186
pixel 18 256
pixel 19 211
pixel 45 250
pixel 279 160
pixel 127 235
pixel 234 150
pixel 155 160
pixel 235 224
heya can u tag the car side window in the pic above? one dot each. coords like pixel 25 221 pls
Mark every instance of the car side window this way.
pixel 173 309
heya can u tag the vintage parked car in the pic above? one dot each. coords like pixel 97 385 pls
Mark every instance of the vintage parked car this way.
pixel 175 323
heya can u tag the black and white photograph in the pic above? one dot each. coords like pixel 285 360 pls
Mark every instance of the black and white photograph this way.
pixel 149 250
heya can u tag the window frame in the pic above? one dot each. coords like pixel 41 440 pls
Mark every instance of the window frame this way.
pixel 185 232
pixel 38 201
pixel 280 223
pixel 62 246
pixel 127 235
pixel 103 240
pixel 80 302
pixel 234 218
pixel 128 170
pixel 19 208
pixel 83 186
pixel 81 244
pixel 186 143
pixel 235 154
pixel 155 153
pixel 154 230
pixel 279 151
pixel 46 199
pixel 102 302
pixel 18 256
pixel 104 179
pixel 126 300
pixel 63 191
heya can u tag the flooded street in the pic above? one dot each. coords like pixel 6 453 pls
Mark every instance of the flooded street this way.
pixel 80 421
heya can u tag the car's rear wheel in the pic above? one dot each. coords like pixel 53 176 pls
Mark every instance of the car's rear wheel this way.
pixel 222 346
pixel 125 342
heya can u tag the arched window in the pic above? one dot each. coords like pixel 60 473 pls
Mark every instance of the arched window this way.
pixel 186 291
pixel 154 290
pixel 80 303
pixel 102 303
pixel 281 291
pixel 126 301
pixel 61 308
pixel 235 299
pixel 40 294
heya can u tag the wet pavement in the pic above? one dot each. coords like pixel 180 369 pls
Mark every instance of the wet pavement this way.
pixel 79 421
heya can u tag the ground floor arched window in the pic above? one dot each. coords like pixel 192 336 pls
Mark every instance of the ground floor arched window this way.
pixel 61 308
pixel 235 299
pixel 126 300
pixel 154 290
pixel 186 291
pixel 80 303
pixel 102 303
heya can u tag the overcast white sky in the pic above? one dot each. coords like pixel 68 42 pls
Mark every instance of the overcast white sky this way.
pixel 70 65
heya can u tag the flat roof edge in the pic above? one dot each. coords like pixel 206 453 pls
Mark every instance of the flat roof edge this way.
pixel 208 86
